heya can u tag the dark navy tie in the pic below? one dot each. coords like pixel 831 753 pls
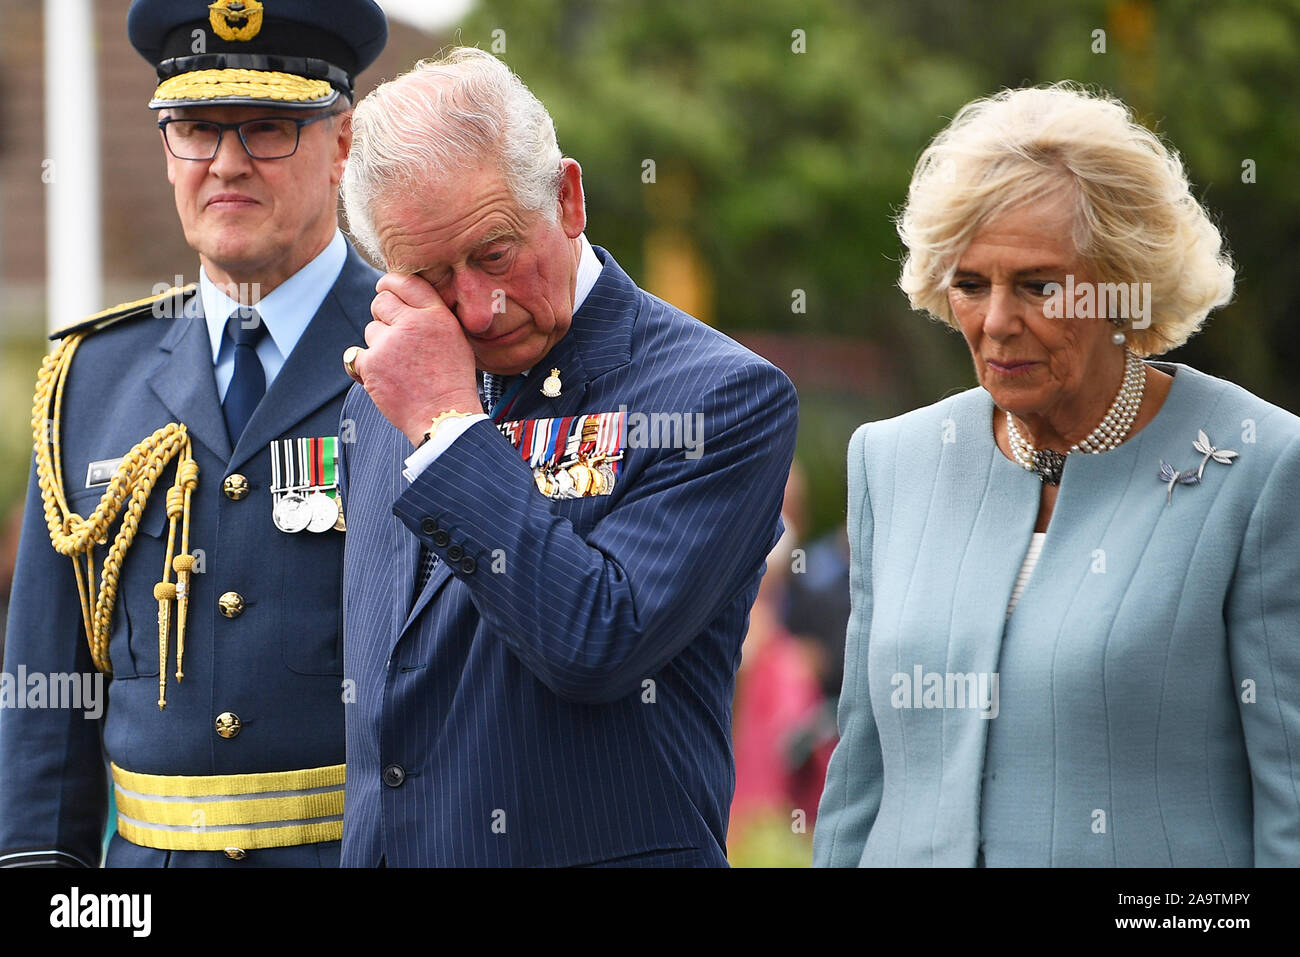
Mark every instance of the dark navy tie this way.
pixel 248 385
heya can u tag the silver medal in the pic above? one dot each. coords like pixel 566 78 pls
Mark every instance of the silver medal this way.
pixel 324 512
pixel 292 513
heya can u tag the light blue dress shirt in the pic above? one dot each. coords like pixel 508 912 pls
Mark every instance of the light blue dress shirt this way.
pixel 286 311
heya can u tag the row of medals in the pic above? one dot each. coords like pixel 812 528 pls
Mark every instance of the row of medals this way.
pixel 307 510
pixel 594 476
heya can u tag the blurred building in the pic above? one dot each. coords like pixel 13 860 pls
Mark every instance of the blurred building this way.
pixel 142 239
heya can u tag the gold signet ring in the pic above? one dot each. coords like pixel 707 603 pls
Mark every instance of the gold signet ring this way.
pixel 350 362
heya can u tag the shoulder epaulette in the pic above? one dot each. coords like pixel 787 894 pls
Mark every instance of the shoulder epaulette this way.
pixel 149 306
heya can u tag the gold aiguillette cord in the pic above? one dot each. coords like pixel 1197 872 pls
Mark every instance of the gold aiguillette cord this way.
pixel 127 495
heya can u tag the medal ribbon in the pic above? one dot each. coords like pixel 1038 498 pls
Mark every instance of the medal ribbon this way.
pixel 541 441
pixel 331 464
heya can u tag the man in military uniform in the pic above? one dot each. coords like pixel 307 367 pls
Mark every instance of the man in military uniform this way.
pixel 184 480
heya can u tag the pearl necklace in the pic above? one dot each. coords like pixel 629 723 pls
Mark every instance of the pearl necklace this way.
pixel 1109 434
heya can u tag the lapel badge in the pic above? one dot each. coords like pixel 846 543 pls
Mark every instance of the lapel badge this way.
pixel 551 387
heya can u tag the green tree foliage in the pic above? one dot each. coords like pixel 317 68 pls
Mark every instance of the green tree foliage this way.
pixel 793 151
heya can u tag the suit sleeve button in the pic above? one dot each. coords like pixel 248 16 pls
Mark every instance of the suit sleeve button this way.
pixel 428 526
pixel 455 553
pixel 468 565
pixel 394 775
pixel 441 538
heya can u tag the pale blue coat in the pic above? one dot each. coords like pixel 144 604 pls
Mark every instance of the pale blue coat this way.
pixel 1148 707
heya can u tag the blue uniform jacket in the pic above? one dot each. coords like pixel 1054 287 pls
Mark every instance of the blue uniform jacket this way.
pixel 278 666
pixel 560 691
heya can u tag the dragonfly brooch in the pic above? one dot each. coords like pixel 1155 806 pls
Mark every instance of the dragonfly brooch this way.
pixel 1172 476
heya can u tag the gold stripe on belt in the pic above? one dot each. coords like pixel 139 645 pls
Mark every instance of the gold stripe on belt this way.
pixel 219 811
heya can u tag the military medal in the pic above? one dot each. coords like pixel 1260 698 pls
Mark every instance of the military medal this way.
pixel 324 512
pixel 572 456
pixel 291 513
pixel 304 485
pixel 551 387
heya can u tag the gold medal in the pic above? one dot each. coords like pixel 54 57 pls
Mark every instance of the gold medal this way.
pixel 582 480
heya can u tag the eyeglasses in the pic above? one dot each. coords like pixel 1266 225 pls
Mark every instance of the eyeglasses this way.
pixel 268 138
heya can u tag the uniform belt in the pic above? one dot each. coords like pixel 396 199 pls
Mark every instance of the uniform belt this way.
pixel 219 811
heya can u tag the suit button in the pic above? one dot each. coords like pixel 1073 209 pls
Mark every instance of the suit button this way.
pixel 236 487
pixel 468 565
pixel 236 853
pixel 228 724
pixel 428 526
pixel 231 604
pixel 394 775
pixel 442 538
pixel 455 553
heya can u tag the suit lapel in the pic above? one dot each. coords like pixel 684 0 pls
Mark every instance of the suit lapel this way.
pixel 313 372
pixel 186 383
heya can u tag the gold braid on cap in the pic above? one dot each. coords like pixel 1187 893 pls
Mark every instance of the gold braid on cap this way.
pixel 127 495
pixel 250 84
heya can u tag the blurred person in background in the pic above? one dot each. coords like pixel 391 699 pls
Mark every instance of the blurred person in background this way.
pixel 780 756
pixel 217 610
pixel 1076 588
pixel 10 525
pixel 817 591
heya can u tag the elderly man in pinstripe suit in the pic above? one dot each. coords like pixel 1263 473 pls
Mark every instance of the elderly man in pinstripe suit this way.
pixel 559 490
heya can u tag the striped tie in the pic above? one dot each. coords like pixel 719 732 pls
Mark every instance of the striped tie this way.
pixel 492 389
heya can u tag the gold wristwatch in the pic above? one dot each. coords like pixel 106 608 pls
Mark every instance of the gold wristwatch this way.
pixel 438 420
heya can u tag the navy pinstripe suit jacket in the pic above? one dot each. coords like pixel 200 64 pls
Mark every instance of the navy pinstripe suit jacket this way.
pixel 560 690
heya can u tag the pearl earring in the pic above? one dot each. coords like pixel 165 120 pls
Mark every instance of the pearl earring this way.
pixel 1118 338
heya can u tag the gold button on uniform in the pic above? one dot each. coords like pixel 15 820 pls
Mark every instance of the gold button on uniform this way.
pixel 228 724
pixel 231 604
pixel 236 853
pixel 236 487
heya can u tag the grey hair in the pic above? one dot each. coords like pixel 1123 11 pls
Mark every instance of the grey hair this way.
pixel 450 113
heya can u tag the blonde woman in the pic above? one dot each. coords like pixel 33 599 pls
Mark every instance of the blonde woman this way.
pixel 1075 636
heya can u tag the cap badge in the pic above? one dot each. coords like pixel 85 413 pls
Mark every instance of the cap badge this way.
pixel 236 20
